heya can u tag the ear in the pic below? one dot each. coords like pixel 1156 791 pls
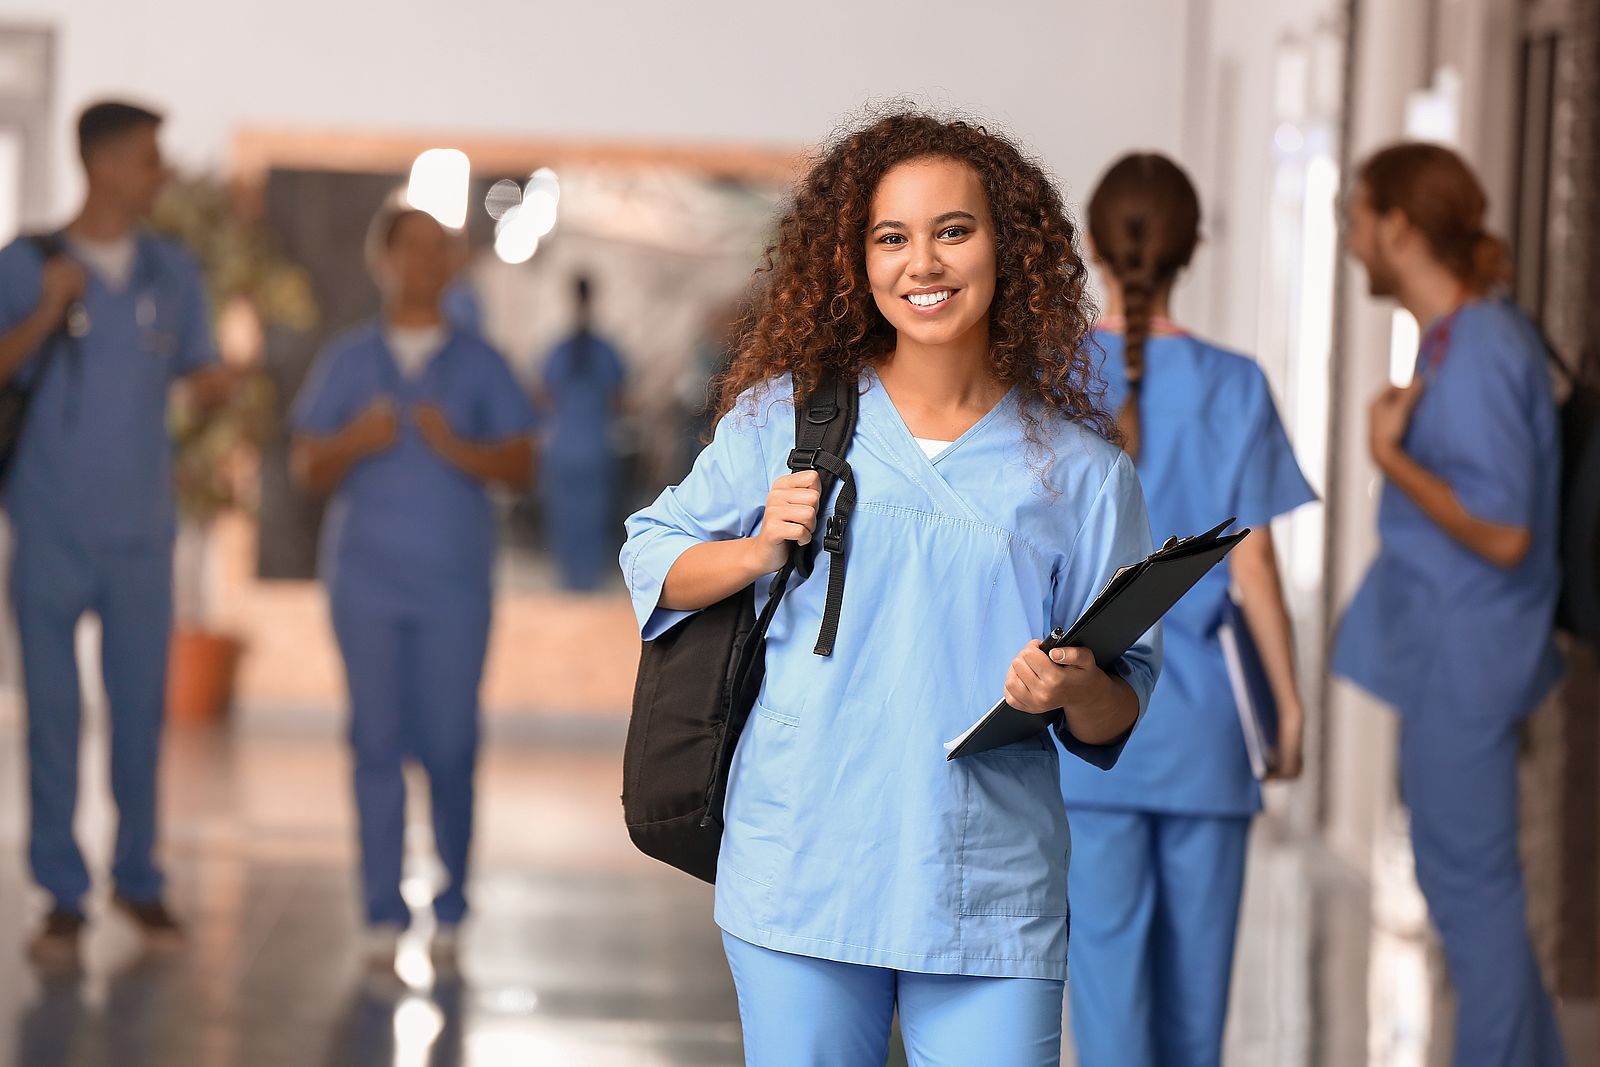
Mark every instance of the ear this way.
pixel 1090 249
pixel 1394 231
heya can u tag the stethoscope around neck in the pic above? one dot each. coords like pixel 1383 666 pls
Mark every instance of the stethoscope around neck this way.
pixel 79 322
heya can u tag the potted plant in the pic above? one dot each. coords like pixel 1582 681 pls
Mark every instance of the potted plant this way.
pixel 217 442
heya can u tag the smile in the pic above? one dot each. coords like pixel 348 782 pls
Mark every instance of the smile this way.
pixel 927 301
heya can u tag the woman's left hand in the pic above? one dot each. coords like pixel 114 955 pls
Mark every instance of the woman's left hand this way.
pixel 1040 683
pixel 434 425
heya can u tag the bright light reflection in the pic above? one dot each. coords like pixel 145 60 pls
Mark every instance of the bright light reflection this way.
pixel 545 179
pixel 412 962
pixel 418 1022
pixel 538 211
pixel 439 185
pixel 1404 337
pixel 515 240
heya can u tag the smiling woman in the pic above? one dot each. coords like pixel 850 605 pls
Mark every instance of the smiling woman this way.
pixel 861 872
pixel 909 184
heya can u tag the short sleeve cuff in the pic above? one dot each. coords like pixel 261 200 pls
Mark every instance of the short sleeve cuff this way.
pixel 646 562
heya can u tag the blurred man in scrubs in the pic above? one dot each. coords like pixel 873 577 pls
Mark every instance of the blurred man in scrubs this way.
pixel 99 333
pixel 1452 625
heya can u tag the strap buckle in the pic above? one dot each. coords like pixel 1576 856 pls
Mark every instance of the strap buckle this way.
pixel 833 538
pixel 803 459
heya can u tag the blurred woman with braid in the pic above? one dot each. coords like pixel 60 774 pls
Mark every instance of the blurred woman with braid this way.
pixel 1158 842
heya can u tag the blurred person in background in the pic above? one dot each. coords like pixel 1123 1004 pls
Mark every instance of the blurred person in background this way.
pixel 1159 843
pixel 1453 623
pixel 408 421
pixel 99 331
pixel 581 393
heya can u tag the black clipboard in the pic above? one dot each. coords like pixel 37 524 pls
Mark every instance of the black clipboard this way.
pixel 1131 603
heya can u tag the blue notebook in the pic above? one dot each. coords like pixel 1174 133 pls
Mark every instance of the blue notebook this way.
pixel 1252 694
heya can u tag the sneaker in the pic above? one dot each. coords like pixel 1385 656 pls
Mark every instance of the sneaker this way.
pixel 380 944
pixel 56 943
pixel 152 918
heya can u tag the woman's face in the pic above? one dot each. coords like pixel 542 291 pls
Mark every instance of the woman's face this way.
pixel 930 251
pixel 419 260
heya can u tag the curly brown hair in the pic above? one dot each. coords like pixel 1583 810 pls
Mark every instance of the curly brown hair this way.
pixel 812 306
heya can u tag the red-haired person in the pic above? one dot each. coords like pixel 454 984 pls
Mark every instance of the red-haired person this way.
pixel 1452 625
pixel 861 872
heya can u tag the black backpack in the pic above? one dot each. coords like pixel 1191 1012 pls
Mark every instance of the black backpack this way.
pixel 698 681
pixel 16 394
pixel 1578 608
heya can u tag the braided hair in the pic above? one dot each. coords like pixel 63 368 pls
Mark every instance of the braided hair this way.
pixel 1144 219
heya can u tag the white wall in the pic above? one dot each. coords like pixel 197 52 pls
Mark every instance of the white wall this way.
pixel 1080 80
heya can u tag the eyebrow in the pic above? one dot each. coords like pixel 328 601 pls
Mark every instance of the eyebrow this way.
pixel 896 224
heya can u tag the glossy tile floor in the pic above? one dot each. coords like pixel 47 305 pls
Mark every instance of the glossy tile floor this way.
pixel 579 952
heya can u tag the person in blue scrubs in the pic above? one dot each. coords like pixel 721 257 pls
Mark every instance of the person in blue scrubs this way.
pixel 1159 843
pixel 99 334
pixel 861 872
pixel 407 422
pixel 1452 625
pixel 581 394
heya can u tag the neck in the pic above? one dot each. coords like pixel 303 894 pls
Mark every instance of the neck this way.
pixel 1160 303
pixel 100 220
pixel 953 375
pixel 417 313
pixel 1430 292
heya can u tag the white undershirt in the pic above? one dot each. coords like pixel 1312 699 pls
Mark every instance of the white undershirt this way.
pixel 414 346
pixel 931 447
pixel 112 260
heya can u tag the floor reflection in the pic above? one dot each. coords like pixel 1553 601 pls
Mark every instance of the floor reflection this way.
pixel 579 951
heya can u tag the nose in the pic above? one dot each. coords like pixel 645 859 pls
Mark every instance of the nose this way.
pixel 925 261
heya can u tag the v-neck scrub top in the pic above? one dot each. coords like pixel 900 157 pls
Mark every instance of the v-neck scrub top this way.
pixel 94 462
pixel 407 531
pixel 848 835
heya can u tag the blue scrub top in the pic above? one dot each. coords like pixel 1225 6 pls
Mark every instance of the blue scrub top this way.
pixel 849 836
pixel 1212 446
pixel 95 459
pixel 581 377
pixel 406 529
pixel 1435 626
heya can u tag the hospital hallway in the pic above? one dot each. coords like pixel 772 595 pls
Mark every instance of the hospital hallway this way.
pixel 579 951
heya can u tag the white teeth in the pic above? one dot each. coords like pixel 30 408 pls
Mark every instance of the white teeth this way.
pixel 928 300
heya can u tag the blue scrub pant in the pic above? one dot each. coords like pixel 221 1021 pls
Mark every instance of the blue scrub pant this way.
pixel 1459 779
pixel 1155 907
pixel 578 496
pixel 413 682
pixel 798 1011
pixel 53 583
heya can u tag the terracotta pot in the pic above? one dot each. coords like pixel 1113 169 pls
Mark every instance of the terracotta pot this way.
pixel 200 675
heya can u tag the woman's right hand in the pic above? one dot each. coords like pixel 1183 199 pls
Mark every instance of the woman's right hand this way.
pixel 790 518
pixel 375 429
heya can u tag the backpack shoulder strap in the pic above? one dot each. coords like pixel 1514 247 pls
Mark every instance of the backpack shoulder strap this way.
pixel 824 425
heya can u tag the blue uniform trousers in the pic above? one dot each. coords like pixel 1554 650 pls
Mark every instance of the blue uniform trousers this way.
pixel 1155 907
pixel 1459 780
pixel 800 1011
pixel 413 682
pixel 54 581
